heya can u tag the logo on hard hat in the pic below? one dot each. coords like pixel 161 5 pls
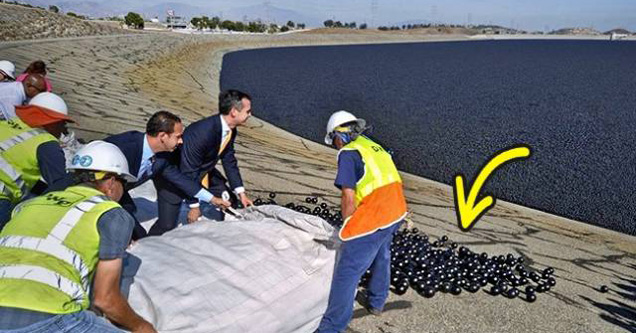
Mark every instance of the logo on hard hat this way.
pixel 84 161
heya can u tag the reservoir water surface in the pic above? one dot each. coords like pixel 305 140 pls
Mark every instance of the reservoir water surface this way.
pixel 447 107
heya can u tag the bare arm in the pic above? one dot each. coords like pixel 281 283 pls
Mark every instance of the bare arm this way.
pixel 111 302
pixel 347 202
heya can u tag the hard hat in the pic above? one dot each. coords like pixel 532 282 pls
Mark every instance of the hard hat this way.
pixel 8 68
pixel 51 102
pixel 102 156
pixel 43 109
pixel 339 118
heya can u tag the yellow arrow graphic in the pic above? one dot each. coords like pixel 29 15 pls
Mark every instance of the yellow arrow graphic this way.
pixel 467 212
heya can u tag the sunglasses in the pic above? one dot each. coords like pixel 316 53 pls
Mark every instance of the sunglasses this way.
pixel 122 180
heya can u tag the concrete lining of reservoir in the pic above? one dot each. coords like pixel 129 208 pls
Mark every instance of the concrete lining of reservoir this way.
pixel 113 84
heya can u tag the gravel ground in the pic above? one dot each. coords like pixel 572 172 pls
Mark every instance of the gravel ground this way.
pixel 113 84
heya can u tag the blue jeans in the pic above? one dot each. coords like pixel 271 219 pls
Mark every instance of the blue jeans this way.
pixel 79 322
pixel 372 252
pixel 5 212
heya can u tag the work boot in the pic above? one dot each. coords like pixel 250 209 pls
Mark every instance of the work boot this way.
pixel 363 299
pixel 375 312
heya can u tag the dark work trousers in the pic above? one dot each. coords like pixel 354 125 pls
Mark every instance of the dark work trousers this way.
pixel 128 204
pixel 356 256
pixel 169 200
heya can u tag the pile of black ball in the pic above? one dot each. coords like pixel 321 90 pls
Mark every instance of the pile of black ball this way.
pixel 332 216
pixel 442 265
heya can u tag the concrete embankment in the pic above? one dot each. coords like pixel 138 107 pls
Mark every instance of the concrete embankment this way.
pixel 113 84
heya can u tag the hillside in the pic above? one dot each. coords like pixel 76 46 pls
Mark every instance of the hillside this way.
pixel 18 22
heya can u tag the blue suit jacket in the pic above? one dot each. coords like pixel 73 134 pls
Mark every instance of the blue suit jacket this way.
pixel 200 151
pixel 165 165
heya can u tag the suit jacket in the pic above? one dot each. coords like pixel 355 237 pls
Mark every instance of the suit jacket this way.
pixel 200 151
pixel 165 165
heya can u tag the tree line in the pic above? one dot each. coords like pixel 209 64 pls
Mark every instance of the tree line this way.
pixel 348 25
pixel 215 22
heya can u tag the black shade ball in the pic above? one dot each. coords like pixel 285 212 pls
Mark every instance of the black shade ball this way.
pixel 401 289
pixel 428 292
pixel 512 292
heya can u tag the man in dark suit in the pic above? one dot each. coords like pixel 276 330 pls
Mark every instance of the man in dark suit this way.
pixel 204 143
pixel 150 154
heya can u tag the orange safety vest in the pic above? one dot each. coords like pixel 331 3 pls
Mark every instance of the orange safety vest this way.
pixel 380 200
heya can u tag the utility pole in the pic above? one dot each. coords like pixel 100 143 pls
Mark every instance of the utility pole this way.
pixel 434 14
pixel 374 12
pixel 267 17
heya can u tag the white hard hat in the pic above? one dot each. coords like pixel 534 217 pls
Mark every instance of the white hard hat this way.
pixel 7 67
pixel 340 118
pixel 50 101
pixel 102 156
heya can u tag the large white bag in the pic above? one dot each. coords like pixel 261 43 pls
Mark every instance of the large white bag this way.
pixel 270 272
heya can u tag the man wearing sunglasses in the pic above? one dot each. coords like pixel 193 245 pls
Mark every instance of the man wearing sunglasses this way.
pixel 62 247
pixel 373 206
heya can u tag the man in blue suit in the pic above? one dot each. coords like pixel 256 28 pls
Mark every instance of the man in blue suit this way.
pixel 151 154
pixel 205 142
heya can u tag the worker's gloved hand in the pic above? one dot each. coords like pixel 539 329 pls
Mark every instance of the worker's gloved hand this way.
pixel 245 200
pixel 219 202
pixel 194 214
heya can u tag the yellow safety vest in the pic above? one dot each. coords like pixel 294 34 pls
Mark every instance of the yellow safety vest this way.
pixel 19 168
pixel 49 250
pixel 379 196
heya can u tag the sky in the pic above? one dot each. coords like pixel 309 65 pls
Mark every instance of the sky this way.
pixel 524 14
pixel 529 15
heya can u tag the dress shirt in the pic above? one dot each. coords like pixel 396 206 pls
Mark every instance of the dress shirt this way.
pixel 12 93
pixel 146 159
pixel 7 111
pixel 225 131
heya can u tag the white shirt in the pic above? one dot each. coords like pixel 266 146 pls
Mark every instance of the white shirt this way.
pixel 7 111
pixel 225 130
pixel 12 93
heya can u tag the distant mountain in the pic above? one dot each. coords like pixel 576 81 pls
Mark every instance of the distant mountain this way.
pixel 149 9
pixel 618 31
pixel 161 10
pixel 269 13
pixel 89 8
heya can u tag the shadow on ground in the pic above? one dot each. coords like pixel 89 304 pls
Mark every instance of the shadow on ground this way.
pixel 391 306
pixel 616 311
